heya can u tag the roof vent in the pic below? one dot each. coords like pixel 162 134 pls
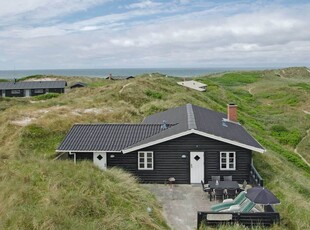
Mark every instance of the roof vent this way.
pixel 224 123
pixel 164 125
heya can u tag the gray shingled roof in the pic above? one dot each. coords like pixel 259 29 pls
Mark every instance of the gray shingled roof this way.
pixel 130 137
pixel 191 117
pixel 32 85
pixel 106 137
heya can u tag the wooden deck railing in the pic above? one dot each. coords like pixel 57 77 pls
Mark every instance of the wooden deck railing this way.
pixel 255 178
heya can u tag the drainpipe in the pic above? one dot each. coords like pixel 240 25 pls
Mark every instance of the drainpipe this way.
pixel 74 157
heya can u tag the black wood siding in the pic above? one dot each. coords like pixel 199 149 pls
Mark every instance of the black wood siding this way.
pixel 59 90
pixel 82 156
pixel 168 161
pixel 166 164
pixel 8 93
pixel 33 93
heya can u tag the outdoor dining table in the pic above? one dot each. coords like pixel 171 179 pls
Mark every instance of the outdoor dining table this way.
pixel 223 185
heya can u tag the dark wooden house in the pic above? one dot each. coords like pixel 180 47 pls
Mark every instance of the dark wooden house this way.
pixel 78 85
pixel 189 143
pixel 31 88
pixel 110 77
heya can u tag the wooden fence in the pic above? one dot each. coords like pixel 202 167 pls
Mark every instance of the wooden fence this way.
pixel 266 219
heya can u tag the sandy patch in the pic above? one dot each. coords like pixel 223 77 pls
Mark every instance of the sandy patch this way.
pixel 128 84
pixel 93 110
pixel 34 115
pixel 96 111
pixel 23 121
pixel 44 79
pixel 306 112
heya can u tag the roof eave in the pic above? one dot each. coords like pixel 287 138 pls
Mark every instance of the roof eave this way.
pixel 87 151
pixel 194 131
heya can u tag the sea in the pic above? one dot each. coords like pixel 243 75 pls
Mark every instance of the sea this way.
pixel 176 72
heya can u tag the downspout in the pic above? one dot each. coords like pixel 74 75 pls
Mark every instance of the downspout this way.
pixel 74 157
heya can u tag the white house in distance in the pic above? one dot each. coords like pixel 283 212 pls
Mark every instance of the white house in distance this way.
pixel 193 85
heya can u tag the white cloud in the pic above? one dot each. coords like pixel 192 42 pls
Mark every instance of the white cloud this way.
pixel 143 4
pixel 213 35
pixel 25 11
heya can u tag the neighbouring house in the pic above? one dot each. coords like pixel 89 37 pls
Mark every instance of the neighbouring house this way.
pixel 189 143
pixel 193 85
pixel 31 88
pixel 110 77
pixel 78 85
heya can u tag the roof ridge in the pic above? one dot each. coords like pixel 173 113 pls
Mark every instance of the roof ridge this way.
pixel 191 122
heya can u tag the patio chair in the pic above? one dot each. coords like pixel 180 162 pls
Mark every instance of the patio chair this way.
pixel 244 207
pixel 231 193
pixel 229 202
pixel 205 188
pixel 219 193
pixel 215 178
pixel 227 178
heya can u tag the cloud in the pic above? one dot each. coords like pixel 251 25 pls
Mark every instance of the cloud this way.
pixel 160 34
pixel 29 11
pixel 143 4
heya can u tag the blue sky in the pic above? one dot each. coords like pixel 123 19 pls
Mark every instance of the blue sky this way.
pixel 60 34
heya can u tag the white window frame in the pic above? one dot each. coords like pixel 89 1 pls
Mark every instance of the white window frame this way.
pixel 227 160
pixel 15 91
pixel 145 160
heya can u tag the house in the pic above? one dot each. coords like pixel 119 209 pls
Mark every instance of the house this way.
pixel 193 85
pixel 110 77
pixel 189 143
pixel 31 88
pixel 78 85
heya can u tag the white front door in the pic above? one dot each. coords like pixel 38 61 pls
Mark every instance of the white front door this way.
pixel 197 167
pixel 100 159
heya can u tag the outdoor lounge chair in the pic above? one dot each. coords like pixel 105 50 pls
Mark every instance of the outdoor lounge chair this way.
pixel 245 206
pixel 229 202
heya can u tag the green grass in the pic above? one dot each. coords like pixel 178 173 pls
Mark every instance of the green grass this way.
pixel 154 94
pixel 237 79
pixel 39 193
pixel 46 96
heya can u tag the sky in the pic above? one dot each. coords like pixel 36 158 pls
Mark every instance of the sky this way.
pixel 67 34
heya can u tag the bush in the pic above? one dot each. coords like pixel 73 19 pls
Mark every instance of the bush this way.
pixel 285 136
pixel 154 94
pixel 47 96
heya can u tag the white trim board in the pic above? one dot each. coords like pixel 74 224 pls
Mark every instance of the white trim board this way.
pixel 193 131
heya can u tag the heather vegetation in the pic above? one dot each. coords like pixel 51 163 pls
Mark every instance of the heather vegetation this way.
pixel 38 192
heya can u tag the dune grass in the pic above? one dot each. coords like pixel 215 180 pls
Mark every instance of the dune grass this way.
pixel 30 131
pixel 41 194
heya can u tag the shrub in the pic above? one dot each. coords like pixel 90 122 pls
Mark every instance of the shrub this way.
pixel 154 94
pixel 46 96
pixel 285 136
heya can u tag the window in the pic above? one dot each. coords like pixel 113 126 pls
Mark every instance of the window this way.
pixel 15 91
pixel 145 160
pixel 38 91
pixel 228 161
